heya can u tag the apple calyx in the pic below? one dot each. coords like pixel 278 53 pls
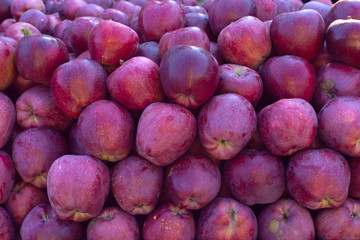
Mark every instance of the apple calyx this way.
pixel 108 217
pixel 45 218
pixel 328 88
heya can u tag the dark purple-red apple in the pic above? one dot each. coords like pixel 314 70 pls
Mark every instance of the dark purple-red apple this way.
pixel 79 32
pixel 322 59
pixel 36 18
pixel 126 7
pixel 88 10
pixel 7 230
pixel 42 223
pixel 113 223
pixel 193 36
pixel 156 18
pixel 5 12
pixel 60 28
pixel 215 51
pixel 346 217
pixel 34 150
pixel 245 42
pixel 53 6
pixel 224 12
pixel 255 177
pixel 70 8
pixel 284 6
pixel 136 184
pixel 285 219
pixel 193 181
pixel 7 176
pixel 18 7
pixel 265 9
pixel 354 189
pixel 169 221
pixel 53 21
pixel 115 15
pixel 150 50
pixel 165 132
pixel 74 194
pixel 321 8
pixel 75 145
pixel 102 3
pixel 23 198
pixel 6 23
pixel 36 108
pixel 7 118
pixel 20 29
pixel 287 126
pixel 37 57
pixel 318 178
pixel 288 76
pixel 106 129
pixel 136 84
pixel 7 63
pixel 194 79
pixel 226 218
pixel 21 84
pixel 76 84
pixel 333 80
pixel 226 124
pixel 241 80
pixel 111 43
pixel 339 125
pixel 343 10
pixel 291 34
pixel 342 41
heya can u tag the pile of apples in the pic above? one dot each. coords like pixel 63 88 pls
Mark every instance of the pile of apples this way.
pixel 174 119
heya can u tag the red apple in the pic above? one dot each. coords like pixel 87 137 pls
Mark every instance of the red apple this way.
pixel 113 223
pixel 220 135
pixel 75 194
pixel 88 10
pixel 342 10
pixel 321 8
pixel 36 18
pixel 106 129
pixel 18 7
pixel 6 23
pixel 126 7
pixel 42 223
pixel 265 9
pixel 7 176
pixel 150 50
pixel 70 8
pixel 165 132
pixel 7 231
pixel 196 79
pixel 354 189
pixel 318 178
pixel 245 42
pixel 284 6
pixel 7 63
pixel 115 15
pixel 21 84
pixel 5 9
pixel 226 218
pixel 169 221
pixel 19 30
pixel 7 118
pixel 285 219
pixel 53 6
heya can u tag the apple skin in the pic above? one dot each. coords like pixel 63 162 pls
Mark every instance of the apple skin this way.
pixel 288 76
pixel 136 184
pixel 245 42
pixel 20 29
pixel 165 132
pixel 34 150
pixel 192 181
pixel 102 3
pixel 76 84
pixel 49 53
pixel 291 34
pixel 150 50
pixel 7 231
pixel 221 136
pixel 88 10
pixel 287 126
pixel 53 21
pixel 36 18
pixel 21 84
pixel 321 8
pixel 333 80
pixel 342 40
pixel 354 189
pixel 215 51
pixel 284 6
pixel 106 130
pixel 111 42
pixel 322 59
pixel 194 81
pixel 338 132
pixel 5 9
pixel 76 147
pixel 156 18
pixel 23 198
pixel 265 9
pixel 6 23
pixel 241 80
pixel 92 187
pixel 255 177
pixel 79 32
pixel 36 108
pixel 342 10
pixel 285 219
pixel 42 223
pixel 223 12
pixel 7 176
pixel 7 118
pixel 226 218
pixel 7 61
pixel 113 223
pixel 347 221
pixel 115 15
pixel 318 178
pixel 127 7
pixel 193 36
pixel 169 221
pixel 18 7
pixel 136 84
pixel 53 6
pixel 60 28
pixel 70 8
